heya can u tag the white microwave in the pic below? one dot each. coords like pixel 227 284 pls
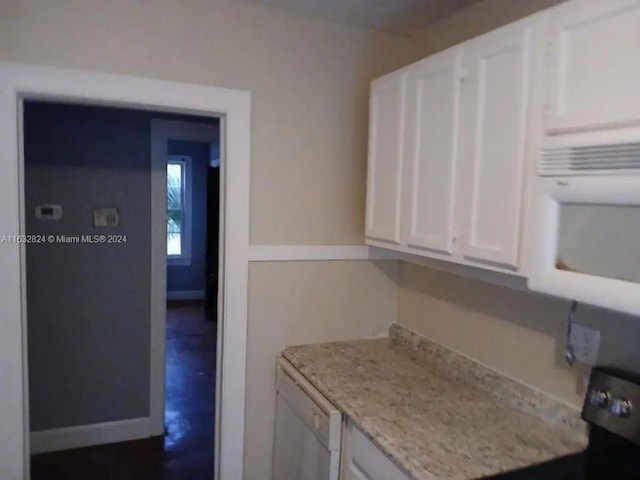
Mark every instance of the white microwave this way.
pixel 584 230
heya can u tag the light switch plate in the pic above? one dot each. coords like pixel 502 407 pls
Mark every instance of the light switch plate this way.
pixel 586 344
pixel 49 211
pixel 106 217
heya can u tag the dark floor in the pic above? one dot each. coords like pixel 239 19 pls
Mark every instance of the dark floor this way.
pixel 186 451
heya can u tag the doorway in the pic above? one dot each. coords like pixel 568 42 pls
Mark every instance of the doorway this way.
pixel 88 292
pixel 193 232
pixel 22 82
pixel 193 200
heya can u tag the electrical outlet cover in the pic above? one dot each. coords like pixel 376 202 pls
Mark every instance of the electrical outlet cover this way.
pixel 106 217
pixel 586 344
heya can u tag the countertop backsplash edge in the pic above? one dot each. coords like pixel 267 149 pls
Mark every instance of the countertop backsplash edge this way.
pixel 506 390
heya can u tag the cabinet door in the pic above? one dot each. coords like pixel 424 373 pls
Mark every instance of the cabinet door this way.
pixel 433 107
pixel 353 472
pixel 386 137
pixel 361 459
pixel 495 115
pixel 594 65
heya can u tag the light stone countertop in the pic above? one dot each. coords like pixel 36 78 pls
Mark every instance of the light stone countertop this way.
pixel 436 414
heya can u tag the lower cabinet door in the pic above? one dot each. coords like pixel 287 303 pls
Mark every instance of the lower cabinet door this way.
pixel 362 460
pixel 352 472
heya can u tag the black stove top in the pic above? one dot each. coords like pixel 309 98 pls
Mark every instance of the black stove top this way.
pixel 614 435
pixel 572 467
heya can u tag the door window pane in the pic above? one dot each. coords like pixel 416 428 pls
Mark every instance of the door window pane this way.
pixel 175 205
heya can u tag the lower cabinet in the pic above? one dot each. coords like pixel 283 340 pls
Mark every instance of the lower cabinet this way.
pixel 362 460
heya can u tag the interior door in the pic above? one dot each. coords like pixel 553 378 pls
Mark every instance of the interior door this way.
pixel 495 112
pixel 433 107
pixel 594 65
pixel 386 132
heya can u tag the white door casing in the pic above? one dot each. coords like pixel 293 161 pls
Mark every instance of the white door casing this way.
pixel 433 110
pixel 495 114
pixel 19 82
pixel 386 140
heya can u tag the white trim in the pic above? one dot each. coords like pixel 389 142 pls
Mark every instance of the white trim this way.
pixel 88 435
pixel 185 295
pixel 292 253
pixel 222 295
pixel 14 405
pixel 234 107
pixel 301 253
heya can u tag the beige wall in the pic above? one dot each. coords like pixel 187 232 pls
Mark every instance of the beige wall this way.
pixel 309 80
pixel 473 21
pixel 518 333
pixel 294 303
pixel 515 332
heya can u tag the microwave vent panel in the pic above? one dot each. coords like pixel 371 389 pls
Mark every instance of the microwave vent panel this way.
pixel 589 159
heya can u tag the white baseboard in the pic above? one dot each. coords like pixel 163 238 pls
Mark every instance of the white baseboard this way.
pixel 88 435
pixel 185 295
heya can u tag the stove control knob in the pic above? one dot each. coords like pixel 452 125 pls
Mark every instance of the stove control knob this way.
pixel 598 398
pixel 621 407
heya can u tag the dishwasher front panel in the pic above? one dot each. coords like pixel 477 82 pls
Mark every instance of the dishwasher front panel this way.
pixel 307 431
pixel 298 454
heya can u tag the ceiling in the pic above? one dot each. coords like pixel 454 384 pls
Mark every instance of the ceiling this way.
pixel 396 16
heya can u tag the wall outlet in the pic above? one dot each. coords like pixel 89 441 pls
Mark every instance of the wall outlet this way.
pixel 585 343
pixel 105 217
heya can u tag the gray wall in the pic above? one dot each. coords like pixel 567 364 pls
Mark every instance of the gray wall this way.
pixel 88 305
pixel 191 277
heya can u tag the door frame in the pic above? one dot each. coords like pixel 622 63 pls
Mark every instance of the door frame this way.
pixel 19 82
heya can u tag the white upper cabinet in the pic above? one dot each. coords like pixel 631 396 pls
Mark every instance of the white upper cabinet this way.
pixel 455 138
pixel 593 79
pixel 431 152
pixel 386 138
pixel 448 150
pixel 493 143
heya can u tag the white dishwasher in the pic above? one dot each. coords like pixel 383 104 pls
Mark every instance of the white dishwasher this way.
pixel 308 430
